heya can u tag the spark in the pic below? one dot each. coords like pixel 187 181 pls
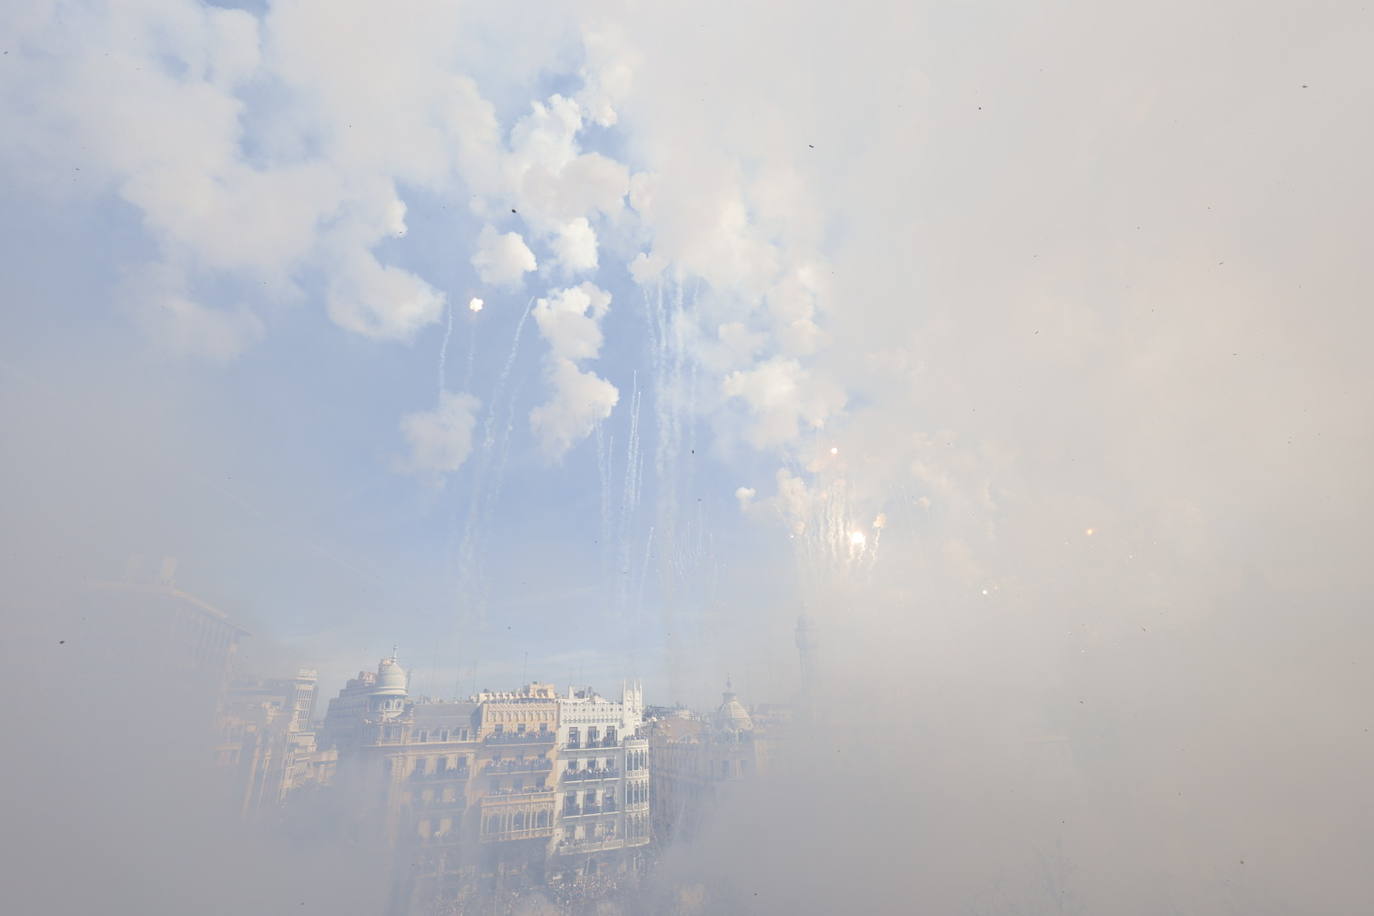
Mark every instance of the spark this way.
pixel 858 538
pixel 475 305
pixel 1090 531
pixel 834 450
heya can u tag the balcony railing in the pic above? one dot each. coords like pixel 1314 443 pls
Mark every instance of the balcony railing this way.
pixel 440 839
pixel 502 767
pixel 579 744
pixel 575 775
pixel 511 796
pixel 521 790
pixel 455 773
pixel 522 834
pixel 520 738
pixel 571 847
pixel 580 810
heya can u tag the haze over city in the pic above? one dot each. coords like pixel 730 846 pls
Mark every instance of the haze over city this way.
pixel 932 438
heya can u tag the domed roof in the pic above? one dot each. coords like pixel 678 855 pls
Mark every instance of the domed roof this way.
pixel 391 678
pixel 732 715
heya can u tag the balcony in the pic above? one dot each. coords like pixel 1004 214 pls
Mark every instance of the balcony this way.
pixel 457 773
pixel 525 795
pixel 511 792
pixel 520 738
pixel 573 847
pixel 579 775
pixel 504 767
pixel 583 810
pixel 434 803
pixel 579 744
pixel 527 833
pixel 449 838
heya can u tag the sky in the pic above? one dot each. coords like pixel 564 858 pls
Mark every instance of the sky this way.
pixel 1021 345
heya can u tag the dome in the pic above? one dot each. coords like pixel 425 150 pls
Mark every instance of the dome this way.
pixel 732 715
pixel 391 678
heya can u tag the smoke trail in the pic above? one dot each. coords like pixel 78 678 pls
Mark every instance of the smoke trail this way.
pixel 644 568
pixel 683 548
pixel 604 447
pixel 472 358
pixel 487 478
pixel 629 499
pixel 443 355
pixel 629 502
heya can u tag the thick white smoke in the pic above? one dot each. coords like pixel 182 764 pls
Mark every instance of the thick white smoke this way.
pixel 995 277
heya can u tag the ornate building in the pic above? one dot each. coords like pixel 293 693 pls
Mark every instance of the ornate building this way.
pixel 603 782
pixel 503 791
pixel 267 741
pixel 690 757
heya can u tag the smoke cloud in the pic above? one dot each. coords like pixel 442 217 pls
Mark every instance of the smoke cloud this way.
pixel 1020 348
